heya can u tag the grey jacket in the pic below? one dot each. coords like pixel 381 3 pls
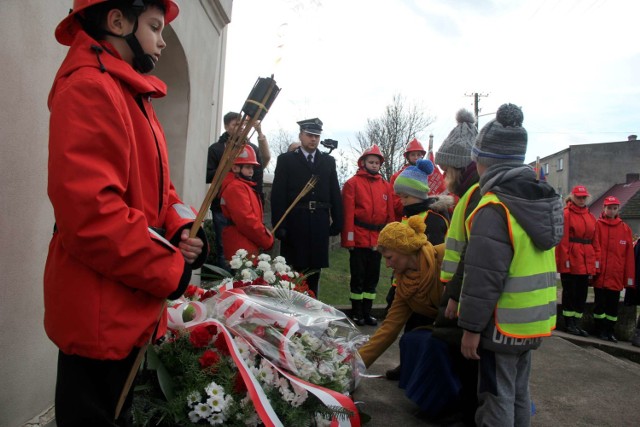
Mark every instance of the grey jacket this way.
pixel 538 209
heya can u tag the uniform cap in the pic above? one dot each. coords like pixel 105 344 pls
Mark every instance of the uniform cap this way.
pixel 580 191
pixel 611 200
pixel 312 126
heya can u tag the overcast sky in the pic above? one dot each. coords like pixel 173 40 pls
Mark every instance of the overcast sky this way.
pixel 572 65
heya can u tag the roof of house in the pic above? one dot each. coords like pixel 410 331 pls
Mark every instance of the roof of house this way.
pixel 629 196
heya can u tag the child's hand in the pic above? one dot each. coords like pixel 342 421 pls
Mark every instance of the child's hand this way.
pixel 191 247
pixel 469 346
pixel 451 312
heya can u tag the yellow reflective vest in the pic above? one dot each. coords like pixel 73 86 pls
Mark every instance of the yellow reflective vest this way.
pixel 527 306
pixel 456 239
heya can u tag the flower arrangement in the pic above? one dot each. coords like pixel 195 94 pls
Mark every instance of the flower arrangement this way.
pixel 202 384
pixel 254 349
pixel 263 270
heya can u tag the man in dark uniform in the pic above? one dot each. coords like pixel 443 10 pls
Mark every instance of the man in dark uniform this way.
pixel 305 232
pixel 232 123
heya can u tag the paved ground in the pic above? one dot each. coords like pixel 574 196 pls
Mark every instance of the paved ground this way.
pixel 571 385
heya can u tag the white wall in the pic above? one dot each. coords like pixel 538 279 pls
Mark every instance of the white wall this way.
pixel 30 58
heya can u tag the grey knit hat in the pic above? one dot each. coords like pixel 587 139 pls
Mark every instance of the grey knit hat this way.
pixel 502 139
pixel 455 150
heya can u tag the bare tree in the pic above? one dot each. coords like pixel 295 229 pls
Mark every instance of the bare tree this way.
pixel 279 143
pixel 400 123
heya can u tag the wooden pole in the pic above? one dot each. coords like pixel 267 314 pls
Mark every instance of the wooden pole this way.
pixel 308 187
pixel 234 146
pixel 136 365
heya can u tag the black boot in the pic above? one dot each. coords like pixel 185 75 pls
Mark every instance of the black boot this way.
pixel 393 374
pixel 600 329
pixel 356 312
pixel 570 325
pixel 610 327
pixel 581 331
pixel 367 304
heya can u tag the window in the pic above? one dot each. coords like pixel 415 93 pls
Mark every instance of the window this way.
pixel 560 164
pixel 546 168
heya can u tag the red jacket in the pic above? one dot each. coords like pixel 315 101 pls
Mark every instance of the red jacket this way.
pixel 241 205
pixel 107 275
pixel 578 252
pixel 366 199
pixel 617 263
pixel 397 203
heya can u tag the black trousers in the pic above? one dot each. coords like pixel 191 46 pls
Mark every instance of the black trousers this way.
pixel 574 294
pixel 364 266
pixel 605 304
pixel 88 390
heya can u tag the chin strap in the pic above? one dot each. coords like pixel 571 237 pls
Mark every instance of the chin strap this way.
pixel 143 62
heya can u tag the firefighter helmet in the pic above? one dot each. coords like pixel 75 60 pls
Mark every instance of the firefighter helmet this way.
pixel 414 145
pixel 247 157
pixel 69 26
pixel 371 151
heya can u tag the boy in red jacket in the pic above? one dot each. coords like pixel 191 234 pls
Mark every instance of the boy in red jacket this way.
pixel 368 207
pixel 242 207
pixel 121 242
pixel 617 268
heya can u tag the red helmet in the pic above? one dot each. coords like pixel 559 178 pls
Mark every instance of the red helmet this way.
pixel 69 26
pixel 611 200
pixel 414 145
pixel 371 151
pixel 246 157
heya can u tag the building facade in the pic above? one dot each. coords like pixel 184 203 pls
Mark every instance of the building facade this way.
pixel 192 65
pixel 601 167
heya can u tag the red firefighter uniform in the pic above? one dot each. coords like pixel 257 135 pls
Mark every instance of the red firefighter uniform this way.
pixel 368 206
pixel 617 263
pixel 108 273
pixel 578 253
pixel 241 205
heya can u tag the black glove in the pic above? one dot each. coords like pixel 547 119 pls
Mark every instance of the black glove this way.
pixel 334 230
pixel 280 234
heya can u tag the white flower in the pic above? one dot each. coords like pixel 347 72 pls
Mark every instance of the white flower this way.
pixel 248 264
pixel 217 403
pixel 194 416
pixel 264 257
pixel 269 277
pixel 322 422
pixel 264 266
pixel 326 368
pixel 235 263
pixel 280 267
pixel 243 349
pixel 299 397
pixel 280 260
pixel 216 419
pixel 203 410
pixel 193 399
pixel 246 274
pixel 241 253
pixel 264 373
pixel 214 390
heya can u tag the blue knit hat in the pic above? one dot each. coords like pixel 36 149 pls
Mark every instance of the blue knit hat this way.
pixel 414 180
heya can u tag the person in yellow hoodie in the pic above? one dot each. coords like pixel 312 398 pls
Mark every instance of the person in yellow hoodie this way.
pixel 416 265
